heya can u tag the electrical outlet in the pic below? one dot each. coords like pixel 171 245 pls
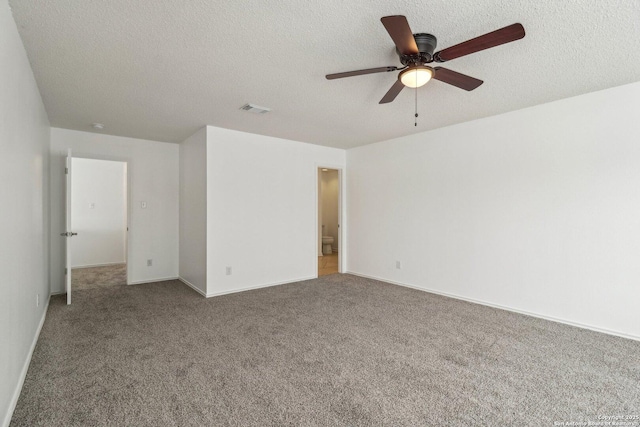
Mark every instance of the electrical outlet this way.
pixel 37 300
pixel 92 205
pixel 398 265
pixel 149 262
pixel 228 271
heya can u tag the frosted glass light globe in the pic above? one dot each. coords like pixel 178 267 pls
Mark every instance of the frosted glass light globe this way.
pixel 416 76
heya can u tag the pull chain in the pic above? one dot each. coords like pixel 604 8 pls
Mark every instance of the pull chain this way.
pixel 416 98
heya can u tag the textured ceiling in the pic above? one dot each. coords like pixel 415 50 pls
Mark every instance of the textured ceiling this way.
pixel 161 69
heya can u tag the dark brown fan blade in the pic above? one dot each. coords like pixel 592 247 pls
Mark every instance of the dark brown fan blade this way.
pixel 360 72
pixel 492 39
pixel 456 79
pixel 392 93
pixel 399 30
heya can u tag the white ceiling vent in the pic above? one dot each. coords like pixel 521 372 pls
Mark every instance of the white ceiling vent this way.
pixel 255 109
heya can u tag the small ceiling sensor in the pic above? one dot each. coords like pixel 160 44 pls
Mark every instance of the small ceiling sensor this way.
pixel 97 126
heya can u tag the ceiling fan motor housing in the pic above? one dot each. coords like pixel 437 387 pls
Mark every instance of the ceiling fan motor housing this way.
pixel 426 45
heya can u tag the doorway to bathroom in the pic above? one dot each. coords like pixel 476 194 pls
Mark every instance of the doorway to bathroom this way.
pixel 329 218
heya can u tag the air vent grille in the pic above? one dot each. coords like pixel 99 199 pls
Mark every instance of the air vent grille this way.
pixel 252 108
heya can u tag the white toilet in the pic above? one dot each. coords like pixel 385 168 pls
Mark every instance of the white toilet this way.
pixel 327 241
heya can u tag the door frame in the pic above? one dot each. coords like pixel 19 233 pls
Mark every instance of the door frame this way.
pixel 341 215
pixel 129 207
pixel 68 170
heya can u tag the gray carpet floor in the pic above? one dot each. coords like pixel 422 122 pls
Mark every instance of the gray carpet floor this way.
pixel 335 351
pixel 98 277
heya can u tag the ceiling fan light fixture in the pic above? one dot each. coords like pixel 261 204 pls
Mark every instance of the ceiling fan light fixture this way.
pixel 416 76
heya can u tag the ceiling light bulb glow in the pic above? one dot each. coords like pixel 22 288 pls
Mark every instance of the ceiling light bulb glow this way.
pixel 416 76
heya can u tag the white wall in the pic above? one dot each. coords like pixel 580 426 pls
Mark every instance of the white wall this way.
pixel 536 210
pixel 98 212
pixel 330 184
pixel 153 178
pixel 320 212
pixel 193 210
pixel 261 209
pixel 24 139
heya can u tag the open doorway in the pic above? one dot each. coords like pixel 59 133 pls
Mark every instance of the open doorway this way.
pixel 329 214
pixel 98 252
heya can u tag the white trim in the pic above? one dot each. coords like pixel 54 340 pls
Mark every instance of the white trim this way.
pixel 502 307
pixel 25 368
pixel 249 288
pixel 192 286
pixel 98 265
pixel 159 279
pixel 128 162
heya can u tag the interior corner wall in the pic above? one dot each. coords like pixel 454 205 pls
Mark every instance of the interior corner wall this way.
pixel 98 212
pixel 262 209
pixel 24 141
pixel 193 210
pixel 152 169
pixel 536 210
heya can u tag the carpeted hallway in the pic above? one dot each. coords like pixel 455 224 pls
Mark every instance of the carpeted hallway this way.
pixel 98 277
pixel 336 351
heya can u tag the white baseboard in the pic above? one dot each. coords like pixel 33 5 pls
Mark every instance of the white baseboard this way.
pixel 97 265
pixel 192 286
pixel 502 307
pixel 267 285
pixel 159 279
pixel 57 293
pixel 25 368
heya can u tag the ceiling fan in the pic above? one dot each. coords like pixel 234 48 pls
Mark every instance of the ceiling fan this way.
pixel 416 51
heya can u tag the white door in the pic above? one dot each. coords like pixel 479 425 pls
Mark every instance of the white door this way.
pixel 68 234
